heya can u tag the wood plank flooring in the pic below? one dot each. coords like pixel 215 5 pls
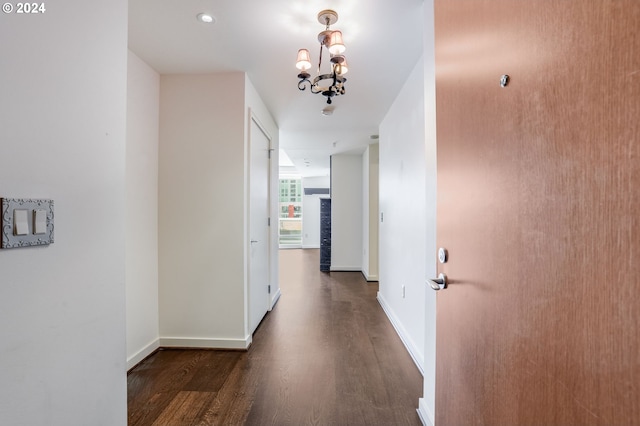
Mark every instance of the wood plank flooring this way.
pixel 325 355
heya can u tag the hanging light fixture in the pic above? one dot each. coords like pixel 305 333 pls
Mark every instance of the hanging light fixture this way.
pixel 332 83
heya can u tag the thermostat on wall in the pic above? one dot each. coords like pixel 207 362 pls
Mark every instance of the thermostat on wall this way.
pixel 26 222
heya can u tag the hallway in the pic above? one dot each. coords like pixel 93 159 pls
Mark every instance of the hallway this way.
pixel 325 355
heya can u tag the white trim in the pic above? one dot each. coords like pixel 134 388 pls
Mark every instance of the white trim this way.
pixel 346 268
pixel 248 284
pixel 404 336
pixel 275 299
pixel 311 246
pixel 205 343
pixel 426 416
pixel 370 278
pixel 142 354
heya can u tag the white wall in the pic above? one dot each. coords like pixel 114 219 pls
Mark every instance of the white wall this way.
pixel 346 212
pixel 201 210
pixel 370 190
pixel 143 103
pixel 311 211
pixel 62 307
pixel 402 202
pixel 317 182
pixel 311 220
pixel 427 403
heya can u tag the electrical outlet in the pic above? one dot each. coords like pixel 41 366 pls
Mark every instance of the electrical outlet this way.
pixel 404 293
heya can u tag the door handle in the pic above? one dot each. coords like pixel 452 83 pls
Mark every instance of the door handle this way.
pixel 254 241
pixel 439 283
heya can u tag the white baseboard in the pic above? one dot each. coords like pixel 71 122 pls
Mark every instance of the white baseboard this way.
pixel 346 268
pixel 133 360
pixel 196 342
pixel 275 298
pixel 404 336
pixel 426 416
pixel 311 246
pixel 370 278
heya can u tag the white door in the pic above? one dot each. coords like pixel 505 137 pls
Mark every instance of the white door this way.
pixel 258 224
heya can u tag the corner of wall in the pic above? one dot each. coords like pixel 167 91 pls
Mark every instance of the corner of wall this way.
pixel 143 353
pixel 143 110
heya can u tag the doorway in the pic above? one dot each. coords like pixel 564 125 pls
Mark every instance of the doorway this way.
pixel 290 211
pixel 259 245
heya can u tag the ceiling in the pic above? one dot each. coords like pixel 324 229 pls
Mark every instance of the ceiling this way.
pixel 262 38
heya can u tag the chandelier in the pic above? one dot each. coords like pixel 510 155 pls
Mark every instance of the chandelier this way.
pixel 329 84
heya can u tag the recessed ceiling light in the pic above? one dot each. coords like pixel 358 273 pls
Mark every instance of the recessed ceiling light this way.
pixel 206 18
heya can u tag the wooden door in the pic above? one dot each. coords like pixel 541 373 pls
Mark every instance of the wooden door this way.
pixel 259 244
pixel 539 208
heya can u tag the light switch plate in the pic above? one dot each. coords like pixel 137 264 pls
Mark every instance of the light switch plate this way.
pixel 38 221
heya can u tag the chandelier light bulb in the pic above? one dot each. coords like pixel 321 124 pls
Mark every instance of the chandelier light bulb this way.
pixel 303 62
pixel 336 45
pixel 342 68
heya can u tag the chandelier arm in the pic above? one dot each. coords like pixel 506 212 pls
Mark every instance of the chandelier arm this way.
pixel 321 77
pixel 301 84
pixel 337 87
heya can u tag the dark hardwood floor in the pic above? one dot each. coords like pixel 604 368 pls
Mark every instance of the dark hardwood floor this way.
pixel 325 355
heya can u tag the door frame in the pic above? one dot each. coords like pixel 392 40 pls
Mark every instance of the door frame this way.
pixel 252 118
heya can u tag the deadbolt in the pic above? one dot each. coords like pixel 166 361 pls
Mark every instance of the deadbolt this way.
pixel 443 255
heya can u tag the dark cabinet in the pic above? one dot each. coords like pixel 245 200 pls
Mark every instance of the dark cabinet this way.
pixel 325 234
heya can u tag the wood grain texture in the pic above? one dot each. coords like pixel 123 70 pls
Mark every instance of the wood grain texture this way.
pixel 538 205
pixel 326 355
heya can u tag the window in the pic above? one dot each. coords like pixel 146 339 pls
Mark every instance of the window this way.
pixel 290 221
